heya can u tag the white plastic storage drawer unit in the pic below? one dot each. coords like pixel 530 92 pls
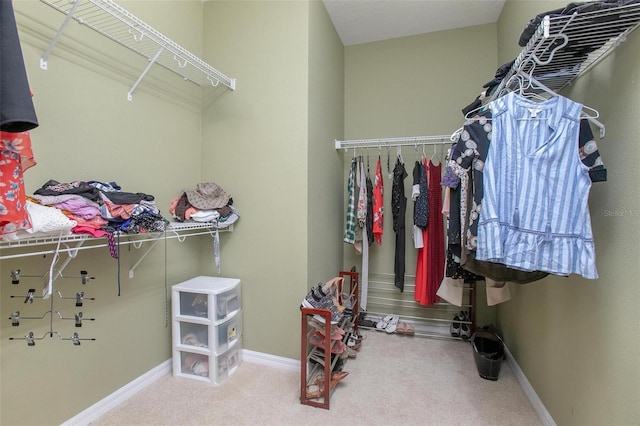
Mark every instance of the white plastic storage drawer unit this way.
pixel 210 298
pixel 207 328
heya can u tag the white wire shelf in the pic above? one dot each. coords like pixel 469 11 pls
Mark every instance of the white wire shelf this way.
pixel 565 47
pixel 116 23
pixel 179 230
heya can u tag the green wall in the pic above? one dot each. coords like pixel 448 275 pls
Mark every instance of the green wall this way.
pixel 324 163
pixel 577 340
pixel 270 144
pixel 88 130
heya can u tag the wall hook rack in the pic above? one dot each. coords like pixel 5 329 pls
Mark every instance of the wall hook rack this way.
pixel 16 276
pixel 31 339
pixel 77 318
pixel 79 297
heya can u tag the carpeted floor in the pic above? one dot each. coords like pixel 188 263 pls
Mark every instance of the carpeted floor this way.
pixel 395 380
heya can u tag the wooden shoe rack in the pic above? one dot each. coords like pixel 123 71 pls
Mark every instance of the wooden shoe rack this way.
pixel 318 360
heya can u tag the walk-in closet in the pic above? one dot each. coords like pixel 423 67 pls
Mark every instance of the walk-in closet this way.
pixel 303 212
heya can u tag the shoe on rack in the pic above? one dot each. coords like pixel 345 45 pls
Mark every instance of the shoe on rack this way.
pixel 348 353
pixel 318 384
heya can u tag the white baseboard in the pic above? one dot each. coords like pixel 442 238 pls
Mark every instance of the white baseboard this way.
pixel 537 404
pixel 271 360
pixel 127 391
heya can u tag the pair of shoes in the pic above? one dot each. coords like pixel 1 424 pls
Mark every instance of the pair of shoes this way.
pixel 355 341
pixel 316 298
pixel 322 297
pixel 454 328
pixel 348 353
pixel 336 332
pixel 388 323
pixel 318 325
pixel 317 355
pixel 336 376
pixel 384 322
pixel 198 364
pixel 465 327
pixel 405 328
pixel 317 340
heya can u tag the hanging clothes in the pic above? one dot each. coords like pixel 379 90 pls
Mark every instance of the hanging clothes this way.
pixel 16 156
pixel 378 204
pixel 421 192
pixel 17 113
pixel 431 259
pixel 349 236
pixel 369 222
pixel 436 232
pixel 535 213
pixel 398 210
pixel 363 225
pixel 470 153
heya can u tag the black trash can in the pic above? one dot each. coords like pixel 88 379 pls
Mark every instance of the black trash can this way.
pixel 488 353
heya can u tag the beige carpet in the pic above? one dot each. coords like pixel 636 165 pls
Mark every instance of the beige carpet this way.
pixel 395 380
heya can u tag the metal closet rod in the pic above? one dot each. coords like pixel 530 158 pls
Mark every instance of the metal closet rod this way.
pixel 389 142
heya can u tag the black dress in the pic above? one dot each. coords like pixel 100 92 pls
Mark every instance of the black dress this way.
pixel 398 210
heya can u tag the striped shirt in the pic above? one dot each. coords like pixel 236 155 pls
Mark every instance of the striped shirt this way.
pixel 535 213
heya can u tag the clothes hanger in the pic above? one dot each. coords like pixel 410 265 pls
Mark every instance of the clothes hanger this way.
pixel 399 154
pixel 592 118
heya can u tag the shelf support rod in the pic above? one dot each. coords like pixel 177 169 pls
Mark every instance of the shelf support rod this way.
pixel 146 70
pixel 139 261
pixel 67 19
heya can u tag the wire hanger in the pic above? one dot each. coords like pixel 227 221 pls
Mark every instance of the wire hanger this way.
pixel 592 118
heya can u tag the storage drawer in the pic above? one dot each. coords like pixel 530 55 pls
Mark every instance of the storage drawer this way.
pixel 227 303
pixel 210 368
pixel 227 333
pixel 208 298
pixel 227 363
pixel 192 364
pixel 193 335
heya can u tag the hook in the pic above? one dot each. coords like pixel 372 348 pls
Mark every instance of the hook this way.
pixel 180 64
pixel 138 37
pixel 211 80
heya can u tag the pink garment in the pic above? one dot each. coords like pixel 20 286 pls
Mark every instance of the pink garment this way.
pixel 88 230
pixel 96 222
pixel 120 210
pixel 79 208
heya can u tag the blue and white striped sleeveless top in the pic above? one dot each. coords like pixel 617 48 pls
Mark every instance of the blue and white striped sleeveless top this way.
pixel 535 213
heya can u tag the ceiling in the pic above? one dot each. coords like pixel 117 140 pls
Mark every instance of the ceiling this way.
pixel 365 21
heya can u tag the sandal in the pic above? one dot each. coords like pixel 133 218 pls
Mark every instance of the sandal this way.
pixel 409 330
pixel 392 326
pixel 402 328
pixel 382 324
